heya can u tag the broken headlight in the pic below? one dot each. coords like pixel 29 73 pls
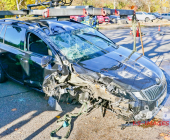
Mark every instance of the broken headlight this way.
pixel 139 95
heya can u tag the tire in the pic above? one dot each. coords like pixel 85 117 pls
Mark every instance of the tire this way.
pixel 147 19
pixel 2 76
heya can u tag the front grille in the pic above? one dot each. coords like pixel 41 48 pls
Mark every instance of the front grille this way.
pixel 153 92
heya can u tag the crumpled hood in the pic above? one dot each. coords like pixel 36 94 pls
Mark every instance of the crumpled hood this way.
pixel 131 71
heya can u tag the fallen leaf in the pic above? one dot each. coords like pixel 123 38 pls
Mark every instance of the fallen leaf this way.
pixel 14 109
pixel 167 138
pixel 94 118
pixel 57 117
pixel 163 134
pixel 16 129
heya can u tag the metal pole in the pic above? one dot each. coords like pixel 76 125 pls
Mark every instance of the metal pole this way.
pixel 134 30
pixel 141 38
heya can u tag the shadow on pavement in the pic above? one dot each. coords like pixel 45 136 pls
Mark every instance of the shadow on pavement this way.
pixel 27 111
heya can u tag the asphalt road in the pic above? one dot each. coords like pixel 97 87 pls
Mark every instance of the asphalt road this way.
pixel 25 114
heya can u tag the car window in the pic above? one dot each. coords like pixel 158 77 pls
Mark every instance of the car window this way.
pixel 139 13
pixel 14 36
pixel 37 45
pixel 2 34
pixel 145 13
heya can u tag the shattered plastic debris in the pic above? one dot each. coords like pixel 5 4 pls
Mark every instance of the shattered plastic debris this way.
pixel 53 103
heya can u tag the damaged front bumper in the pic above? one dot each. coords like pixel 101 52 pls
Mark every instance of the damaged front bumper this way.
pixel 147 115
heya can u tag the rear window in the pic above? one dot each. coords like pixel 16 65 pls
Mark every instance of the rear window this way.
pixel 14 36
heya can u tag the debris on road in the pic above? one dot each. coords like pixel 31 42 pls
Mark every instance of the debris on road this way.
pixel 58 117
pixel 14 109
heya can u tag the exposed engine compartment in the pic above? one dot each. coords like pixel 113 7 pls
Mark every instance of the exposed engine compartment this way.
pixel 91 88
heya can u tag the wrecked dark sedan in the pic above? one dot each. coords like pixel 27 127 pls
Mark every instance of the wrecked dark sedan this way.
pixel 69 60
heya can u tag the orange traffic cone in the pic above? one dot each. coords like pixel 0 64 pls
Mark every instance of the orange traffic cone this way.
pixel 159 28
pixel 137 32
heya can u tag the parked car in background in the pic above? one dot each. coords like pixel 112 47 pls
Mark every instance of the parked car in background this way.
pixel 106 19
pixel 114 18
pixel 166 16
pixel 157 15
pixel 103 19
pixel 129 17
pixel 145 16
pixel 77 18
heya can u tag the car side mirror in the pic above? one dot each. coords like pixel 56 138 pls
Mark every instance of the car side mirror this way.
pixel 45 60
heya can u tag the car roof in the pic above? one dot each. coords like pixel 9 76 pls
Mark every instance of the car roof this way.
pixel 49 24
pixel 67 25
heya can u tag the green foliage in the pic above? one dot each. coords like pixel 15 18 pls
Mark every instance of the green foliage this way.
pixel 9 4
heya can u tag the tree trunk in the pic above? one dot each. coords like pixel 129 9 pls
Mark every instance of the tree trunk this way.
pixel 114 4
pixel 18 7
pixel 149 8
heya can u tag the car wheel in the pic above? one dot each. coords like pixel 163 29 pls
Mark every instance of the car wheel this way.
pixel 147 19
pixel 2 75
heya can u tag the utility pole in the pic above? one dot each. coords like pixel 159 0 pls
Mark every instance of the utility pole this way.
pixel 114 4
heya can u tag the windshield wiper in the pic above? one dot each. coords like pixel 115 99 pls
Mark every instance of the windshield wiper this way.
pixel 105 51
pixel 92 43
pixel 98 37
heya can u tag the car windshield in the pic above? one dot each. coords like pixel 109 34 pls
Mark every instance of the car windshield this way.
pixel 83 44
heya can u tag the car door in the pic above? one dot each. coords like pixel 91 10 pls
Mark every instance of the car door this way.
pixel 143 16
pixel 11 52
pixel 139 15
pixel 36 50
pixel 2 52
